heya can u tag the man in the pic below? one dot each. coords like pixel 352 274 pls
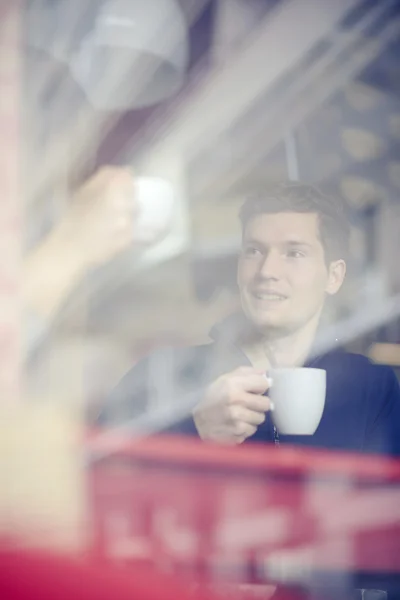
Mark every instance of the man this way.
pixel 293 258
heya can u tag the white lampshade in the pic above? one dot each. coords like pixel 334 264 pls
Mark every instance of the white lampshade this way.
pixel 125 53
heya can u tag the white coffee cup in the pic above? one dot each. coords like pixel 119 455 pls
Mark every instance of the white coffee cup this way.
pixel 155 200
pixel 298 396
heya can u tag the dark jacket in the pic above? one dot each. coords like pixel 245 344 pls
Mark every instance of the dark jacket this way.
pixel 362 409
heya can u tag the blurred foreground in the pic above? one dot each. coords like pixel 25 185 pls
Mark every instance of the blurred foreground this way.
pixel 217 98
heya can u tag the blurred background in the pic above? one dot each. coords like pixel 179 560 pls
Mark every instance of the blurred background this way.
pixel 248 91
pixel 216 97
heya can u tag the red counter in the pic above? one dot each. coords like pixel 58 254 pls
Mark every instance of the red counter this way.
pixel 247 514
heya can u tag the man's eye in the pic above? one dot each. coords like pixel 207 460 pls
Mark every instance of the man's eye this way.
pixel 295 254
pixel 251 251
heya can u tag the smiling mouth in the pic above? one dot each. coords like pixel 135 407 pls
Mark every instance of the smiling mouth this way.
pixel 269 296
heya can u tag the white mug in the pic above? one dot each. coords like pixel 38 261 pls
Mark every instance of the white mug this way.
pixel 155 201
pixel 298 396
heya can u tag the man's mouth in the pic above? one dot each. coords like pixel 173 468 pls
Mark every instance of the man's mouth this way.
pixel 269 296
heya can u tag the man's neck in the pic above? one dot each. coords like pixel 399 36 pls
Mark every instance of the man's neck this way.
pixel 288 350
pixel 292 349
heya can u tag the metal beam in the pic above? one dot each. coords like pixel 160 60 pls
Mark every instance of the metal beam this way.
pixel 289 31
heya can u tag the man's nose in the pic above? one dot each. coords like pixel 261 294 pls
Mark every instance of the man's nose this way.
pixel 271 266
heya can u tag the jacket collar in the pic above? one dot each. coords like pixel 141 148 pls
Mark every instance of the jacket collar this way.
pixel 235 331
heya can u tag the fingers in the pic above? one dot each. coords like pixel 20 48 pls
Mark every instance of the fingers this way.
pixel 123 223
pixel 122 239
pixel 253 402
pixel 242 414
pixel 110 174
pixel 240 382
pixel 233 406
pixel 243 421
pixel 101 216
pixel 120 192
pixel 116 182
pixel 112 184
pixel 120 196
pixel 243 431
pixel 255 383
pixel 252 380
pixel 115 198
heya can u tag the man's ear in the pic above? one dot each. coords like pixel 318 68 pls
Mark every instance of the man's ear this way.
pixel 336 275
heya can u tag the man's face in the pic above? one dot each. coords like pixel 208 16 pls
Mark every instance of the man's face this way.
pixel 282 274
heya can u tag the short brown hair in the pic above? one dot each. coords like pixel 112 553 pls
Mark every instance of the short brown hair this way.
pixel 300 197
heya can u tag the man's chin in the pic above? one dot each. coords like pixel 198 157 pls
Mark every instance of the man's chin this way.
pixel 270 329
pixel 265 321
pixel 269 324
